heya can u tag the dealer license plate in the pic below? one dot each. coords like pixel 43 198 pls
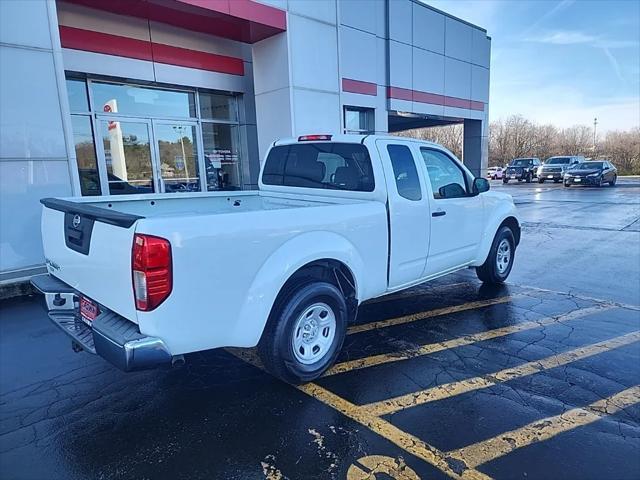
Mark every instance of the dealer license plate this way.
pixel 513 176
pixel 549 176
pixel 577 180
pixel 88 310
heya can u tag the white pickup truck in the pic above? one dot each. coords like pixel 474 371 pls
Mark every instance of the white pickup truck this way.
pixel 144 279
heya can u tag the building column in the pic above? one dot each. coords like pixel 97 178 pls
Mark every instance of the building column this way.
pixel 475 147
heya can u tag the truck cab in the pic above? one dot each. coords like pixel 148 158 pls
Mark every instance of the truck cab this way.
pixel 337 220
pixel 522 169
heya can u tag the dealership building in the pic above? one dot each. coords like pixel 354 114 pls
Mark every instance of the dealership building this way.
pixel 110 97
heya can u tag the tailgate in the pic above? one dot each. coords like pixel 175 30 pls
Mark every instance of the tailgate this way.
pixel 89 248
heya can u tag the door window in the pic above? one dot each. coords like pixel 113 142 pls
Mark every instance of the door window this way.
pixel 446 176
pixel 178 155
pixel 127 153
pixel 221 156
pixel 404 171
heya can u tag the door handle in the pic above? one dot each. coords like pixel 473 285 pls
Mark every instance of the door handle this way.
pixel 439 213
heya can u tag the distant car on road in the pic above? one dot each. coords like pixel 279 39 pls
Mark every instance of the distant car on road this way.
pixel 495 173
pixel 596 173
pixel 522 169
pixel 554 167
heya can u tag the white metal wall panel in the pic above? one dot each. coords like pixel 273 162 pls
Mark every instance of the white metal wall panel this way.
pixel 428 71
pixel 458 39
pixel 273 111
pixel 315 112
pixel 428 29
pixel 481 45
pixel 360 14
pixel 193 77
pixel 314 54
pixel 457 78
pixel 400 65
pixel 22 184
pixel 479 84
pixel 358 57
pixel 271 64
pixel 323 10
pixel 31 122
pixel 24 23
pixel 101 64
pixel 400 23
pixel 77 16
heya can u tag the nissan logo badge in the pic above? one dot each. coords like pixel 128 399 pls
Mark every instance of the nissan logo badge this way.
pixel 76 221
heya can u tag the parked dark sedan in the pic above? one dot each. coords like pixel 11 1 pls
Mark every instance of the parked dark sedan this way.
pixel 591 173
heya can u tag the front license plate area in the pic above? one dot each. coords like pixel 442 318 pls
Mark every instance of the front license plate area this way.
pixel 513 176
pixel 549 176
pixel 577 180
pixel 88 310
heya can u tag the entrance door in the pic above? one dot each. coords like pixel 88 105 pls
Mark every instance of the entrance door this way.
pixel 176 145
pixel 125 147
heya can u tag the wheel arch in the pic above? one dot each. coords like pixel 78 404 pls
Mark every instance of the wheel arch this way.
pixel 318 255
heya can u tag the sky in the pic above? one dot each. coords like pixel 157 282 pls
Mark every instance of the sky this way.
pixel 563 62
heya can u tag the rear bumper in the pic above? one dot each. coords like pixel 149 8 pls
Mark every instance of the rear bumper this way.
pixel 110 335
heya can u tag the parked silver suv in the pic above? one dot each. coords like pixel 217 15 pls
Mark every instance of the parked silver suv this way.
pixel 554 167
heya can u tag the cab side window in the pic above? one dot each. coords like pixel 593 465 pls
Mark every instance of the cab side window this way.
pixel 446 176
pixel 405 172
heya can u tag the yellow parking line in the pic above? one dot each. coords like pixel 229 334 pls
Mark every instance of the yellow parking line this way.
pixel 487 450
pixel 405 441
pixel 365 327
pixel 458 342
pixel 452 389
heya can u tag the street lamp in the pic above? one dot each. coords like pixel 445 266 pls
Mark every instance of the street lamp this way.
pixel 595 125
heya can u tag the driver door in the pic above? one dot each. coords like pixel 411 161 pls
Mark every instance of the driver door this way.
pixel 456 215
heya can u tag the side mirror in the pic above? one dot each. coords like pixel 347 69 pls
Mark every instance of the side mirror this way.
pixel 454 190
pixel 480 185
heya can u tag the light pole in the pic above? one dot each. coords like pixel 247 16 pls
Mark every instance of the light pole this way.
pixel 180 130
pixel 595 126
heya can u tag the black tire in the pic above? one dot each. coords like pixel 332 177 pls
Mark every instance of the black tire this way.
pixel 612 183
pixel 519 180
pixel 505 180
pixel 540 180
pixel 567 184
pixel 556 180
pixel 529 177
pixel 276 348
pixel 488 272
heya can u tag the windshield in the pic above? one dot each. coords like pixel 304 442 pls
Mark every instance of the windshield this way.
pixel 521 162
pixel 588 166
pixel 558 161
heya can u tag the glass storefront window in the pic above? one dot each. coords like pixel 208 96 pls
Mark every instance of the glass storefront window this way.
pixel 221 156
pixel 77 92
pixel 178 157
pixel 142 101
pixel 127 153
pixel 86 155
pixel 358 120
pixel 217 107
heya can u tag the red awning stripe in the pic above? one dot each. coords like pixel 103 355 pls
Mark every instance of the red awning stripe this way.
pixel 97 42
pixel 358 86
pixel 433 98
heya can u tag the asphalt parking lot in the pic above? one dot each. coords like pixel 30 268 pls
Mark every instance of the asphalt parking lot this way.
pixel 536 379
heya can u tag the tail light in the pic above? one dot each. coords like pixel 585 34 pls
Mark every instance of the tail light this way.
pixel 314 138
pixel 151 271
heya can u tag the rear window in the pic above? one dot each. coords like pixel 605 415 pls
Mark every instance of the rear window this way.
pixel 333 166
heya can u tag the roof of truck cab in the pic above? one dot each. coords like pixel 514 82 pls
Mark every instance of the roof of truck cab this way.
pixel 350 138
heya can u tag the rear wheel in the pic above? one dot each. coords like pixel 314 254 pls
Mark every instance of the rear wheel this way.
pixel 540 180
pixel 566 184
pixel 556 180
pixel 612 183
pixel 529 177
pixel 304 333
pixel 505 180
pixel 499 262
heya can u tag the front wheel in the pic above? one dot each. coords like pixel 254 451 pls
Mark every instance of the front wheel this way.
pixel 612 183
pixel 505 180
pixel 567 184
pixel 499 262
pixel 304 333
pixel 529 178
pixel 540 180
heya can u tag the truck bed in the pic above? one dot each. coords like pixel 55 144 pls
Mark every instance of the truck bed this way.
pixel 169 205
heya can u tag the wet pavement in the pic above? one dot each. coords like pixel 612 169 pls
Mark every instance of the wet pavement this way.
pixel 536 379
